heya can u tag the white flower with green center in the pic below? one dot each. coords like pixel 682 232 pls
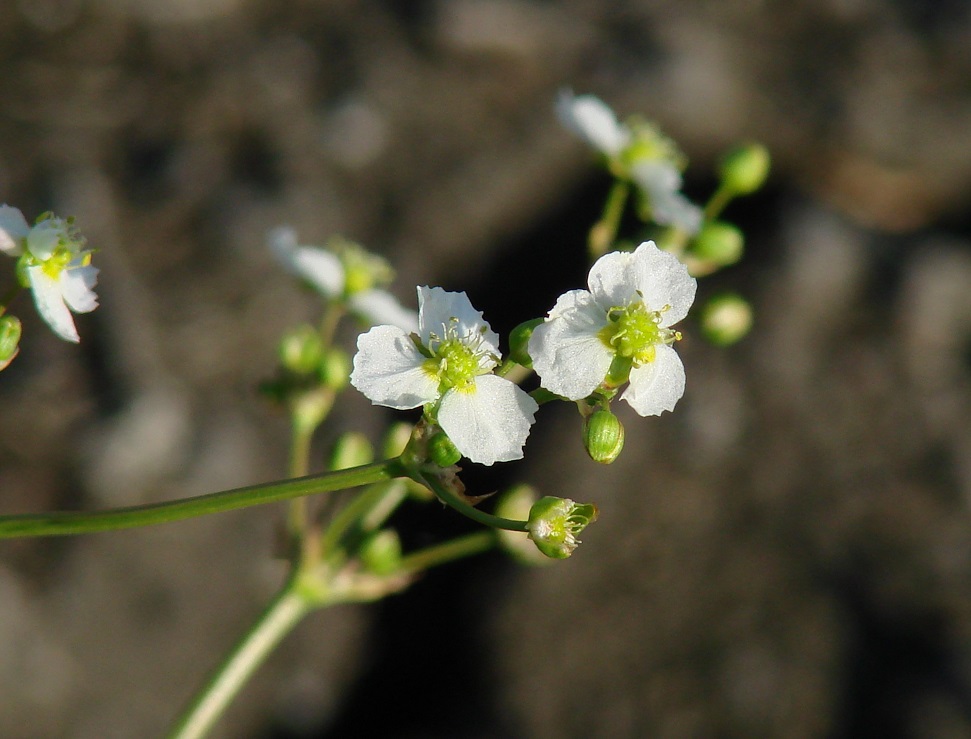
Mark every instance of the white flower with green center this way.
pixel 637 152
pixel 54 264
pixel 352 275
pixel 447 366
pixel 618 330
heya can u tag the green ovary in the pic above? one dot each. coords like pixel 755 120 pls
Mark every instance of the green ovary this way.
pixel 633 332
pixel 455 365
pixel 58 261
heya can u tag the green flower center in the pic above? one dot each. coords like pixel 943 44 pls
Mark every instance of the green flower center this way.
pixel 58 261
pixel 633 332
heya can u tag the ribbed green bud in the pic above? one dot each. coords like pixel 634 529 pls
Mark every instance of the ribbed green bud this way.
pixel 351 450
pixel 726 319
pixel 380 552
pixel 10 330
pixel 335 369
pixel 301 350
pixel 519 342
pixel 603 436
pixel 554 523
pixel 719 242
pixel 745 168
pixel 442 451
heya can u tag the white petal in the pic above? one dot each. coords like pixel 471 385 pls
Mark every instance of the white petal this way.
pixel 612 280
pixel 44 238
pixel 436 310
pixel 319 267
pixel 381 308
pixel 566 350
pixel 489 422
pixel 657 386
pixel 663 281
pixel 76 288
pixel 662 183
pixel 13 229
pixel 50 304
pixel 388 369
pixel 592 120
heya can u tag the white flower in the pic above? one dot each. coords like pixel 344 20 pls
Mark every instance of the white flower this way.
pixel 449 363
pixel 622 323
pixel 637 152
pixel 336 280
pixel 13 231
pixel 661 183
pixel 56 266
pixel 593 121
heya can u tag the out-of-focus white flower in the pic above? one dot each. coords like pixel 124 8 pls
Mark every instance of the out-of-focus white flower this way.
pixel 448 363
pixel 349 274
pixel 637 152
pixel 592 120
pixel 621 326
pixel 54 264
pixel 660 181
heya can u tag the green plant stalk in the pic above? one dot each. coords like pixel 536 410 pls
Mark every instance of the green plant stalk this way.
pixel 279 618
pixel 458 548
pixel 453 500
pixel 62 523
pixel 604 232
pixel 722 197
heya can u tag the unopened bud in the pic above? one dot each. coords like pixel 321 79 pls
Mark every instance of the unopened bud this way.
pixel 442 451
pixel 603 436
pixel 351 450
pixel 554 523
pixel 381 552
pixel 519 342
pixel 719 242
pixel 726 319
pixel 335 369
pixel 744 169
pixel 10 330
pixel 301 350
pixel 396 439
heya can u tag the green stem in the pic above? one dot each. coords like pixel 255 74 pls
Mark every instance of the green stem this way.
pixel 280 617
pixel 451 499
pixel 722 197
pixel 366 512
pixel 300 440
pixel 604 232
pixel 61 523
pixel 458 548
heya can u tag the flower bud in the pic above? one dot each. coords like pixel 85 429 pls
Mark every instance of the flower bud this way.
pixel 515 503
pixel 603 436
pixel 519 342
pixel 719 242
pixel 335 369
pixel 726 319
pixel 442 451
pixel 10 330
pixel 554 523
pixel 351 450
pixel 380 552
pixel 301 350
pixel 743 170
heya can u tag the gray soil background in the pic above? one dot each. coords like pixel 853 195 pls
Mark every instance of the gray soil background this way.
pixel 787 555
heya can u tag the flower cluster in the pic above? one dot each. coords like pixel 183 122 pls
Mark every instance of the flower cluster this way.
pixel 54 263
pixel 637 152
pixel 592 340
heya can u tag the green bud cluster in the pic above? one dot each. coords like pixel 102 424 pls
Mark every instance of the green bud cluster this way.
pixel 744 169
pixel 726 319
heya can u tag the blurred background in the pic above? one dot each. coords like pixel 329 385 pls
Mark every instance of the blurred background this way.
pixel 787 555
